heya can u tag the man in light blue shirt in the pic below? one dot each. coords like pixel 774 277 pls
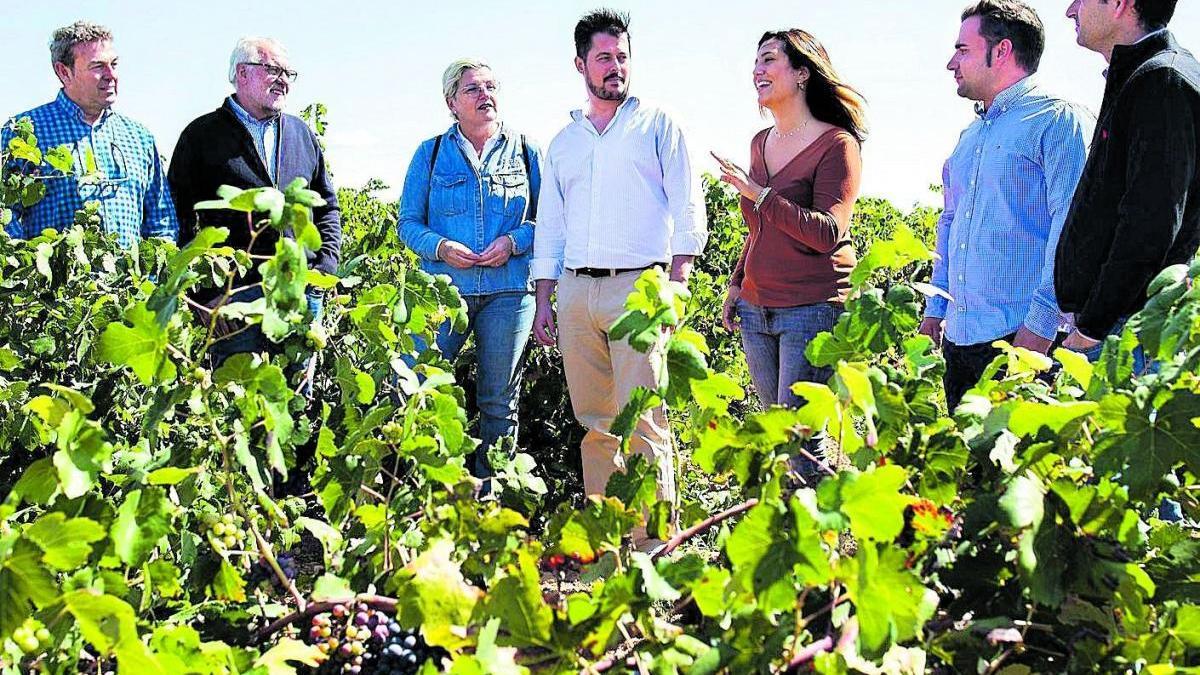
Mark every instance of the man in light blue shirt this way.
pixel 1007 188
pixel 117 166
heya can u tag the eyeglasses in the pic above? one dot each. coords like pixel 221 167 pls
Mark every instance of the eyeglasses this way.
pixel 475 90
pixel 275 72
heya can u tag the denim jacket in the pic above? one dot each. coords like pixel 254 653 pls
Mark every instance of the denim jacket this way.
pixel 472 206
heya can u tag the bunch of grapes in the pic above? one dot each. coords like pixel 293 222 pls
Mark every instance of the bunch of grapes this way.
pixel 226 532
pixel 360 640
pixel 261 572
pixel 32 636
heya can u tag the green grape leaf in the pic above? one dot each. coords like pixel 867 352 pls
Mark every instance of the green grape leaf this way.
pixel 140 344
pixel 1142 444
pixel 516 600
pixel 871 500
pixel 66 543
pixel 110 625
pixel 277 660
pixel 143 519
pixel 889 599
pixel 434 595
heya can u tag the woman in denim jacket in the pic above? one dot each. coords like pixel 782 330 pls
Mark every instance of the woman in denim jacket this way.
pixel 467 210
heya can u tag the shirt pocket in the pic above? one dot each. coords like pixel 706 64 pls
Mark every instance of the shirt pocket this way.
pixel 449 194
pixel 508 193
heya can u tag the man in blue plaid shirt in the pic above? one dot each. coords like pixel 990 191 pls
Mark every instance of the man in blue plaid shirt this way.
pixel 1007 187
pixel 117 164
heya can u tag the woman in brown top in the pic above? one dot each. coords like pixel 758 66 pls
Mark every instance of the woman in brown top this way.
pixel 794 271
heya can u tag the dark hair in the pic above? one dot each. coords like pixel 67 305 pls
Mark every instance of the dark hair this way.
pixel 1154 14
pixel 1014 21
pixel 601 20
pixel 830 100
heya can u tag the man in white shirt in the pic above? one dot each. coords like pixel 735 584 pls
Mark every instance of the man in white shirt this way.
pixel 618 197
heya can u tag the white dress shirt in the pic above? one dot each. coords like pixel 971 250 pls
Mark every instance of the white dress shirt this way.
pixel 622 198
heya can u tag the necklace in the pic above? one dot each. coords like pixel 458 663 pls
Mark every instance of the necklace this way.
pixel 793 132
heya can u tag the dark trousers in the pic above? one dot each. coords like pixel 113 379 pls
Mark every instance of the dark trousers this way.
pixel 964 366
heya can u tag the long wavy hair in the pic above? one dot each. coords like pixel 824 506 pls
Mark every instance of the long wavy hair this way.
pixel 829 98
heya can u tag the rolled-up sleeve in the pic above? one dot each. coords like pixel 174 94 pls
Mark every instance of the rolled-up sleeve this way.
pixel 685 197
pixel 935 306
pixel 1064 154
pixel 414 206
pixel 522 234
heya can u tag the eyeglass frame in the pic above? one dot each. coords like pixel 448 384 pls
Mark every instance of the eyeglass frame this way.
pixel 274 71
pixel 491 88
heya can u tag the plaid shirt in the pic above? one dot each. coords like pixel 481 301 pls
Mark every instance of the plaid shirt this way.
pixel 131 186
pixel 1007 189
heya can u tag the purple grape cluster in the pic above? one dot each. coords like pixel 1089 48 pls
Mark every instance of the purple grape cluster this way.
pixel 359 640
pixel 262 572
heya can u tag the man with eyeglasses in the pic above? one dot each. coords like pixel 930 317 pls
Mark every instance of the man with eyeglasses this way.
pixel 249 142
pixel 117 165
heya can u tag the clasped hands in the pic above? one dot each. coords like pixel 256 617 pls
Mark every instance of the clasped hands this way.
pixel 461 257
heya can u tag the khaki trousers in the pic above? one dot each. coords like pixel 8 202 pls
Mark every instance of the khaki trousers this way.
pixel 600 376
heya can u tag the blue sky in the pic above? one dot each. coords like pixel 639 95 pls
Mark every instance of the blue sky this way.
pixel 377 66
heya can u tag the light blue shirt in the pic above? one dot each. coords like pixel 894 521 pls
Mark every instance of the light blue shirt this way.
pixel 1007 188
pixel 265 134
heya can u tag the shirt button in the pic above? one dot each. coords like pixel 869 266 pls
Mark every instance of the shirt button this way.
pixel 977 151
pixel 960 277
pixel 968 214
pixel 963 246
pixel 961 308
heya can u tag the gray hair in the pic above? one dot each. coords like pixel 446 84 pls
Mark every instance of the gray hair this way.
pixel 62 43
pixel 250 49
pixel 454 73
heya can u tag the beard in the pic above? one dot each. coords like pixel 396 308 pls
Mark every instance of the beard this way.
pixel 602 93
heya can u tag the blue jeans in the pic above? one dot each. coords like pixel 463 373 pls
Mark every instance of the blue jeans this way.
pixel 1140 364
pixel 501 323
pixel 774 339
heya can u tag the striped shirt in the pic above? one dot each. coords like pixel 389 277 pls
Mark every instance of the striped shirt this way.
pixel 129 182
pixel 265 134
pixel 622 198
pixel 1007 188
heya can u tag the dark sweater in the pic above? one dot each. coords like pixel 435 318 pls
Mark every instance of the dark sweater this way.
pixel 1136 209
pixel 216 149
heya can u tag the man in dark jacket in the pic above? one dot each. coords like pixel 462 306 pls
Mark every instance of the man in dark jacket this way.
pixel 249 142
pixel 1136 210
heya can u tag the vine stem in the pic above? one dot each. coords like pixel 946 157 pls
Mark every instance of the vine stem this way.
pixel 379 602
pixel 264 548
pixel 703 526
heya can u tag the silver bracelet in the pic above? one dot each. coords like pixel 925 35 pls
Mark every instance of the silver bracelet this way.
pixel 761 197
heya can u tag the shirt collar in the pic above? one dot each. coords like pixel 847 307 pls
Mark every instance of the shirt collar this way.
pixel 630 102
pixel 1153 33
pixel 245 116
pixel 71 108
pixel 1006 98
pixel 501 133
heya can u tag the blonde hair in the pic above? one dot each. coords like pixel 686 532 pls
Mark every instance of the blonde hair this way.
pixel 454 74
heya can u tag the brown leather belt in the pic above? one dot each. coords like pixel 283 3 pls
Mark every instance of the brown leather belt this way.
pixel 600 272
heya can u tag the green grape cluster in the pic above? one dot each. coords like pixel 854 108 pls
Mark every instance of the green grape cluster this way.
pixel 32 637
pixel 225 532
